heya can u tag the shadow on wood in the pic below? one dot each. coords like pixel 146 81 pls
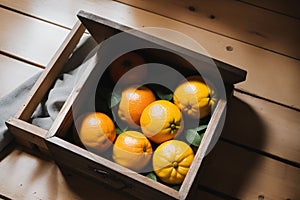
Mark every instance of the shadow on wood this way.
pixel 243 125
pixel 228 166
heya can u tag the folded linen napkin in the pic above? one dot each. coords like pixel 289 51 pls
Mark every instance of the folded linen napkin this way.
pixel 48 109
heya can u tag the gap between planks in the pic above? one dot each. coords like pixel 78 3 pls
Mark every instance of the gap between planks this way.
pixel 259 63
pixel 263 127
pixel 244 174
pixel 22 59
pixel 288 158
pixel 29 39
pixel 251 25
pixel 39 42
pixel 35 17
pixel 21 71
pixel 288 8
pixel 250 175
pixel 68 183
pixel 282 155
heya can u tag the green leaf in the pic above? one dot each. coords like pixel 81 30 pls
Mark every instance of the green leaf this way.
pixel 193 137
pixel 176 187
pixel 167 97
pixel 119 131
pixel 162 92
pixel 201 128
pixel 115 98
pixel 152 176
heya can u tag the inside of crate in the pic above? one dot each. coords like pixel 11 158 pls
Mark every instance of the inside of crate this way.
pixel 95 80
pixel 96 83
pixel 89 88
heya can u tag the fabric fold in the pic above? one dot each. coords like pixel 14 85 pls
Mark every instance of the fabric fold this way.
pixel 50 106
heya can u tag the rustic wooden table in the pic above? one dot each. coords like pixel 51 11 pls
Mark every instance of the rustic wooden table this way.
pixel 258 155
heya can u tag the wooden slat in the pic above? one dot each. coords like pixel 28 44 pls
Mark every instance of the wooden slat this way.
pixel 30 39
pixel 246 175
pixel 43 179
pixel 233 19
pixel 48 77
pixel 13 73
pixel 102 28
pixel 263 125
pixel 203 148
pixel 287 7
pixel 27 132
pixel 266 70
pixel 69 154
pixel 249 173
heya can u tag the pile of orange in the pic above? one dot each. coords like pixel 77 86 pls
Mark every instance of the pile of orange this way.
pixel 153 124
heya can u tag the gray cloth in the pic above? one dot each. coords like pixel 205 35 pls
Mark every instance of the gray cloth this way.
pixel 9 105
pixel 48 109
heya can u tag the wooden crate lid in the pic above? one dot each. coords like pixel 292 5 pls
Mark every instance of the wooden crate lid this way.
pixel 101 28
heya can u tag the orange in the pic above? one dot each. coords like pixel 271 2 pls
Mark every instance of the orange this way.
pixel 172 160
pixel 124 64
pixel 194 97
pixel 132 150
pixel 96 131
pixel 161 121
pixel 133 101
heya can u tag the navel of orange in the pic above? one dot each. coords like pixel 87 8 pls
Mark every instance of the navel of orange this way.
pixel 161 121
pixel 172 160
pixel 132 150
pixel 194 97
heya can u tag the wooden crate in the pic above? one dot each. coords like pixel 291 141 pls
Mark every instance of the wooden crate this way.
pixel 56 141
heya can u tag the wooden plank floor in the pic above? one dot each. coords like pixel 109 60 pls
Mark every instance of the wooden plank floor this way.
pixel 258 155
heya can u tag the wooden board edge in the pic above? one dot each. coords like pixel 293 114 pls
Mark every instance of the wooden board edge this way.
pixel 124 174
pixel 204 147
pixel 28 135
pixel 92 22
pixel 49 75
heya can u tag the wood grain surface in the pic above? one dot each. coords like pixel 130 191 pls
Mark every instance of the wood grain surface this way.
pixel 30 39
pixel 243 174
pixel 288 7
pixel 258 154
pixel 263 125
pixel 21 71
pixel 233 19
pixel 266 69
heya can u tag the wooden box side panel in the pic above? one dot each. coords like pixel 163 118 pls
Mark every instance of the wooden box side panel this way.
pixel 28 134
pixel 49 75
pixel 210 137
pixel 101 169
pixel 70 155
pixel 93 23
pixel 64 119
